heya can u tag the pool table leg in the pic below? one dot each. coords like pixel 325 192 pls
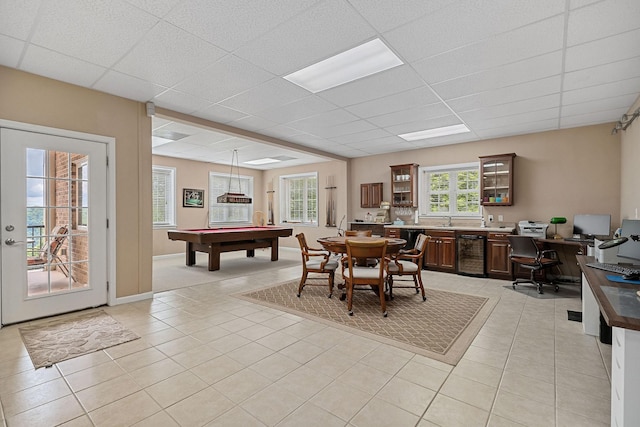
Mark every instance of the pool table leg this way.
pixel 251 253
pixel 191 254
pixel 274 249
pixel 214 257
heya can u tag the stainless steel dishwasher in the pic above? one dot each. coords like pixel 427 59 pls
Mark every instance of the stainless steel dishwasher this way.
pixel 471 254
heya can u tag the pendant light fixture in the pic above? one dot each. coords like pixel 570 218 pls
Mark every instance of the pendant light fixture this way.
pixel 229 197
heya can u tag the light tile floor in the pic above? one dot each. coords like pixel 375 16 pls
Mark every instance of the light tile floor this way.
pixel 207 358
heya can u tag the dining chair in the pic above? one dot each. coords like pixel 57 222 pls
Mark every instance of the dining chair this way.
pixel 315 261
pixel 408 263
pixel 373 277
pixel 526 253
pixel 352 233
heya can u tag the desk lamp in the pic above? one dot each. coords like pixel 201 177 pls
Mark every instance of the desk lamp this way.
pixel 555 221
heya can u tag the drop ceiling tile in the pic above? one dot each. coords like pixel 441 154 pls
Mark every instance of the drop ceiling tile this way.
pixel 168 55
pixel 231 24
pixel 180 102
pixel 98 32
pixel 497 51
pixel 17 17
pixel 518 107
pixel 10 51
pixel 280 131
pixel 226 77
pixel 386 141
pixel 352 153
pixel 515 119
pixel 594 22
pixel 612 103
pixel 519 129
pixel 523 91
pixel 592 93
pixel 574 4
pixel 411 115
pixel 330 26
pixel 363 137
pixel 386 15
pixel 395 102
pixel 302 108
pixel 607 73
pixel 592 118
pixel 326 119
pixel 512 74
pixel 273 93
pixel 204 139
pixel 157 8
pixel 382 149
pixel 466 22
pixel 220 114
pixel 344 129
pixel 128 87
pixel 52 64
pixel 444 140
pixel 378 85
pixel 253 123
pixel 603 51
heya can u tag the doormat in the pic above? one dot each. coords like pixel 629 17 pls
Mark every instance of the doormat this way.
pixel 442 327
pixel 71 336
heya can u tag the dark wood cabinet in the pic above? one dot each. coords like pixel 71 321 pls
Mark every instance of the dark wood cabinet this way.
pixel 370 195
pixel 404 185
pixel 498 263
pixel 377 229
pixel 441 251
pixel 393 232
pixel 496 180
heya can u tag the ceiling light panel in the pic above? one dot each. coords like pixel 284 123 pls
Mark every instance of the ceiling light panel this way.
pixel 434 133
pixel 361 61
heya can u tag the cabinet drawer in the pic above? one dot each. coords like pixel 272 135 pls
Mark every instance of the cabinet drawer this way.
pixel 499 236
pixel 392 232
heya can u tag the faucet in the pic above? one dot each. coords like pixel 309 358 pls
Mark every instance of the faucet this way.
pixel 448 221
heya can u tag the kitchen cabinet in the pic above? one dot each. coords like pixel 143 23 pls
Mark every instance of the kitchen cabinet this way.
pixel 496 179
pixel 377 228
pixel 404 185
pixel 371 195
pixel 441 251
pixel 393 232
pixel 498 263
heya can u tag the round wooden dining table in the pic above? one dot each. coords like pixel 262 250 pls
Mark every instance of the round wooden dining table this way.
pixel 338 245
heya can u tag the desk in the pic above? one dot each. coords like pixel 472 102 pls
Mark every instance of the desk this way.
pixel 567 252
pixel 620 308
pixel 214 241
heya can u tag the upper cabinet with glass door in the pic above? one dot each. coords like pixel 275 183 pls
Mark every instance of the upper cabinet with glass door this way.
pixel 496 186
pixel 404 186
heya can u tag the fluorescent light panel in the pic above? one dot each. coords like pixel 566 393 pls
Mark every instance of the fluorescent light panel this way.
pixel 433 133
pixel 353 64
pixel 264 161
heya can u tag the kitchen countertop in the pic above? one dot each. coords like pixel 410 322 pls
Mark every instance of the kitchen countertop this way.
pixel 493 229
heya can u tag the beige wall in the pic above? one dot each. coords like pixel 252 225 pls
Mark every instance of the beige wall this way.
pixel 556 173
pixel 38 100
pixel 192 174
pixel 630 168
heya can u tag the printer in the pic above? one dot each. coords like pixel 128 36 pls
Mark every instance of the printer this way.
pixel 533 229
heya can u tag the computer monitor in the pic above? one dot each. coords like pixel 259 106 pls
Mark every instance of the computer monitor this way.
pixel 630 249
pixel 590 226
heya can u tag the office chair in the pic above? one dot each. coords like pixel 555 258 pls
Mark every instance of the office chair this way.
pixel 528 255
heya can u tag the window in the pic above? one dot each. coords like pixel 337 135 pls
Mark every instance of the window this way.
pixel 299 201
pixel 83 194
pixel 163 196
pixel 229 212
pixel 452 190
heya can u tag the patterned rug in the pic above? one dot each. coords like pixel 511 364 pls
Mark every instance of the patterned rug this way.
pixel 441 328
pixel 72 336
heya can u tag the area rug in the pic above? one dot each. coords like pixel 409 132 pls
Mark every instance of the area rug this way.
pixel 72 336
pixel 441 328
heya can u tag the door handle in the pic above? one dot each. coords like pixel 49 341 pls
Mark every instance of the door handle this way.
pixel 11 242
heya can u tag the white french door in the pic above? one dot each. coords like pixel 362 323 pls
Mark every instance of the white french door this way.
pixel 53 207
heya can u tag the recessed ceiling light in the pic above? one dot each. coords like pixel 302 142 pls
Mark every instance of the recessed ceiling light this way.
pixel 264 161
pixel 353 64
pixel 157 141
pixel 432 133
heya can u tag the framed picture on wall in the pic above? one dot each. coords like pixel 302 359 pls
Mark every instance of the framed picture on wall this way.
pixel 192 198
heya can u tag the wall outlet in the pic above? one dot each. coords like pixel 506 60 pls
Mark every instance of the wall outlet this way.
pixel 490 217
pixel 500 218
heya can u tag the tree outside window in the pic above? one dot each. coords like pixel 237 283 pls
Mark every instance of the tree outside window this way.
pixel 452 190
pixel 163 196
pixel 299 203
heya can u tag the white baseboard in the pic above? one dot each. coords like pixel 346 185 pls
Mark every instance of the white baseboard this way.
pixel 133 298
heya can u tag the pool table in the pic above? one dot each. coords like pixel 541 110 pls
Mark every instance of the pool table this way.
pixel 214 241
